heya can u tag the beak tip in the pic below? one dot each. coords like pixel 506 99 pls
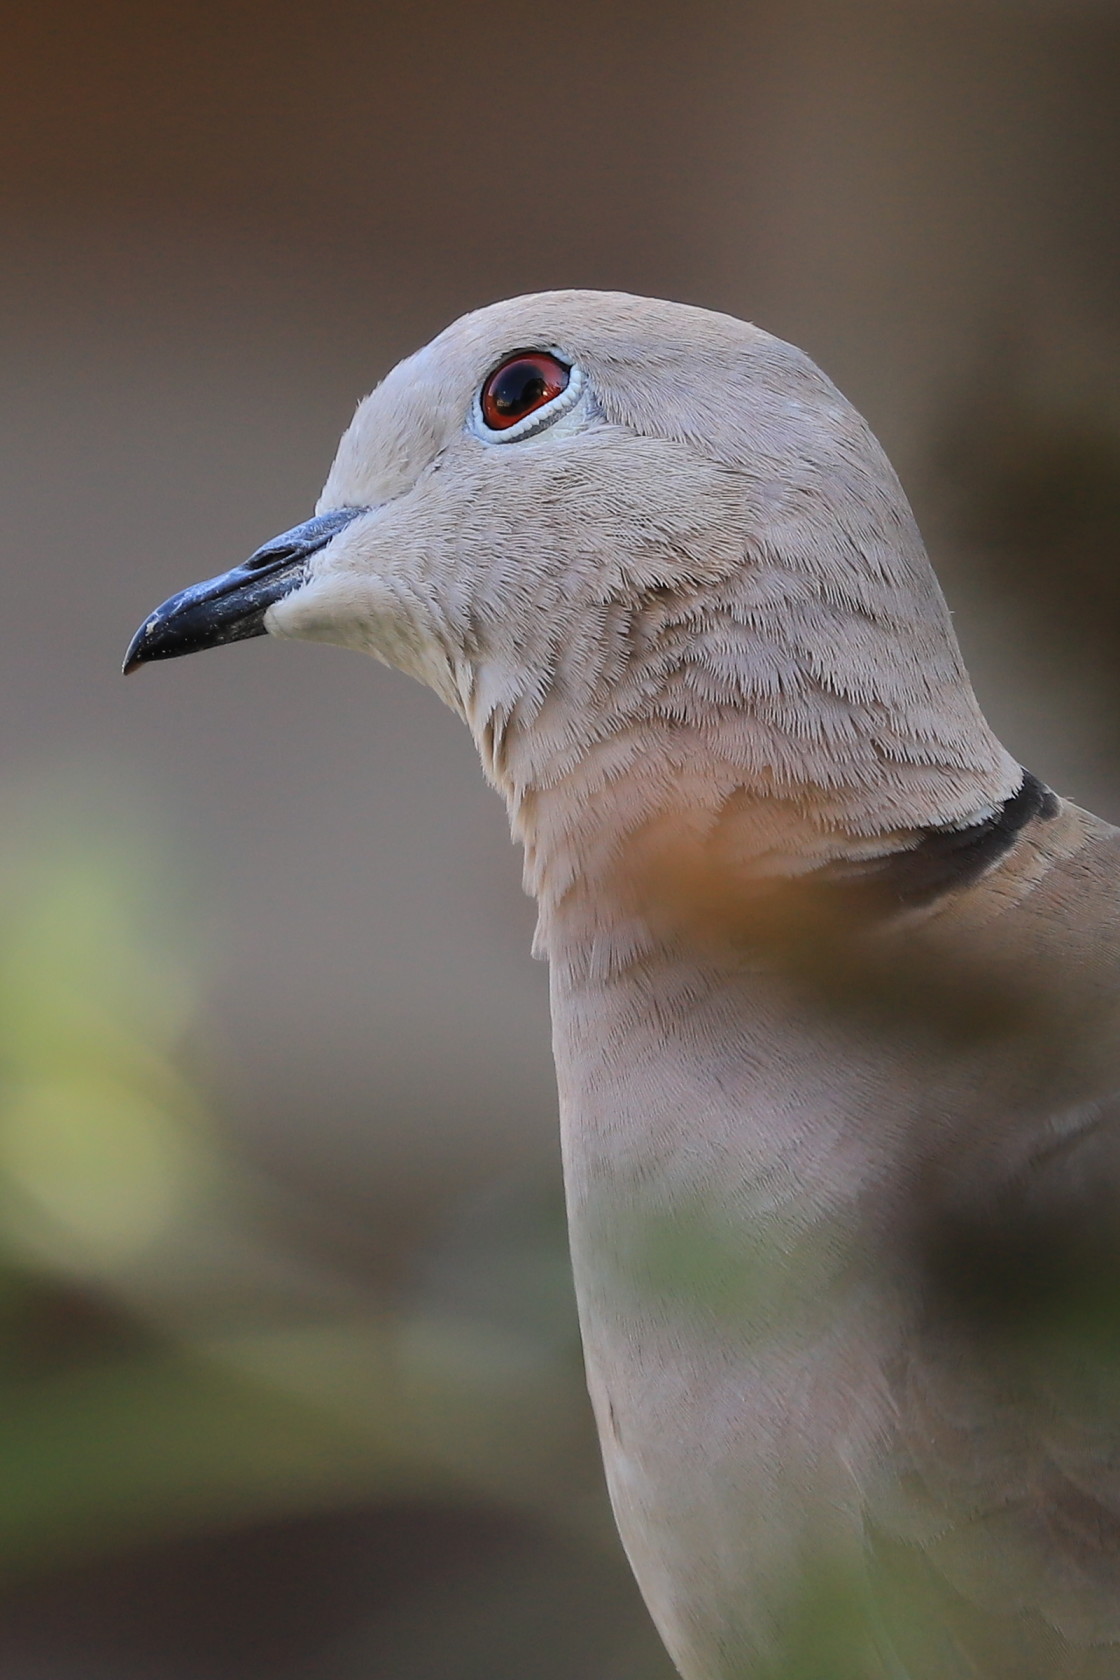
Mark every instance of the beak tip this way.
pixel 135 655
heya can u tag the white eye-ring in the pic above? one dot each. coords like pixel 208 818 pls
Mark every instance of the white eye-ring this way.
pixel 526 392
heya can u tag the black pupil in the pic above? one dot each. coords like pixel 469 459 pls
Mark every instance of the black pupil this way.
pixel 518 388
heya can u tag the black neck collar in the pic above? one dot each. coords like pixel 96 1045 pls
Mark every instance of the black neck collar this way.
pixel 942 861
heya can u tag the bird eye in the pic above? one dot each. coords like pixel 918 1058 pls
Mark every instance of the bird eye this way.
pixel 523 386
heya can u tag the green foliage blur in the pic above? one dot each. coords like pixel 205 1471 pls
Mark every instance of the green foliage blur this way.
pixel 176 1359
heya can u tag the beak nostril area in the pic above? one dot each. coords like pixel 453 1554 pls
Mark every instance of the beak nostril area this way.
pixel 274 554
pixel 300 543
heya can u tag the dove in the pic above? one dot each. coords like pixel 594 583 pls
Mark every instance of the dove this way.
pixel 833 979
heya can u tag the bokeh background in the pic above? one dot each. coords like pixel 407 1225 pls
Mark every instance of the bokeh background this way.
pixel 289 1380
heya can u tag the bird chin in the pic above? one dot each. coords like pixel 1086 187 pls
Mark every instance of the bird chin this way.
pixel 323 610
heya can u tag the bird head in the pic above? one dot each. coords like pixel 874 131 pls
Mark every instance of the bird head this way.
pixel 625 537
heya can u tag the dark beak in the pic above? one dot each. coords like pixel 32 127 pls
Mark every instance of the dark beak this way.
pixel 231 608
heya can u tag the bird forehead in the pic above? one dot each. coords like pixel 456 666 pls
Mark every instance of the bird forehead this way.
pixel 397 430
pixel 421 407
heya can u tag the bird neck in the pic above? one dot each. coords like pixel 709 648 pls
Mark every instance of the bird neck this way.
pixel 762 724
pixel 659 822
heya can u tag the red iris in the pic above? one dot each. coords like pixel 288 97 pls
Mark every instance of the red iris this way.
pixel 525 383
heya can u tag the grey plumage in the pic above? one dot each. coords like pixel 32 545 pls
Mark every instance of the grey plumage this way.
pixel 840 1153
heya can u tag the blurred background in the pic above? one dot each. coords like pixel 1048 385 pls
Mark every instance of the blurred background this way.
pixel 289 1378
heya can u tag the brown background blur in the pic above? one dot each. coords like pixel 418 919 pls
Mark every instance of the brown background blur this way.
pixel 329 1423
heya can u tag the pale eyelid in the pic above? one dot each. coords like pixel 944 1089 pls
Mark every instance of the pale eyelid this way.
pixel 540 418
